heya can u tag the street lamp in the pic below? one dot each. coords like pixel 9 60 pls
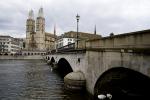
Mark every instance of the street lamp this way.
pixel 77 17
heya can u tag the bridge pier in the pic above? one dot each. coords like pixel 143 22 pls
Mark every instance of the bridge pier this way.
pixel 75 81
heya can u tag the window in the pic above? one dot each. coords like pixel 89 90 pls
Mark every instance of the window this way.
pixel 69 43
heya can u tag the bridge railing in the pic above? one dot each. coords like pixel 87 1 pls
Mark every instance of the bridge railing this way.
pixel 70 48
pixel 66 48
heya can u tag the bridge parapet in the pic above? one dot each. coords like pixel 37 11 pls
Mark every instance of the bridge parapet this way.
pixel 131 40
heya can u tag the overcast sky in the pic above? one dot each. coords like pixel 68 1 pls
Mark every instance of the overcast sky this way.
pixel 117 16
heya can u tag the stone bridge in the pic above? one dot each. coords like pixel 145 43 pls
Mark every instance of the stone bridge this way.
pixel 117 64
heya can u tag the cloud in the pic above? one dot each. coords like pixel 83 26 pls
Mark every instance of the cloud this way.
pixel 108 15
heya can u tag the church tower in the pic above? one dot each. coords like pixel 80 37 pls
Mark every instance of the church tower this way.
pixel 40 30
pixel 30 30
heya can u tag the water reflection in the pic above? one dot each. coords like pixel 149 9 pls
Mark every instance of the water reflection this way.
pixel 32 80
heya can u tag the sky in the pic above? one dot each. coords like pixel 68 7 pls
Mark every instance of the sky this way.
pixel 117 16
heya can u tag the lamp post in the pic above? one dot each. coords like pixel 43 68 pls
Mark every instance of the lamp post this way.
pixel 77 17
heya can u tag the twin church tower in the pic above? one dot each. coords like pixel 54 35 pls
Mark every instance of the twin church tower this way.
pixel 36 37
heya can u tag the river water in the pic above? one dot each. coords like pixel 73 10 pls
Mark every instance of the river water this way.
pixel 32 80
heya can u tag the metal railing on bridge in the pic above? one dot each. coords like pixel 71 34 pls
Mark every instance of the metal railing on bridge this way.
pixel 70 48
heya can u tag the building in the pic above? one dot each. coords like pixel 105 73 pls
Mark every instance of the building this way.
pixel 64 41
pixel 36 37
pixel 71 37
pixel 82 35
pixel 10 45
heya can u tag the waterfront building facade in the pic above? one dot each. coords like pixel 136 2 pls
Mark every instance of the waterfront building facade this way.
pixel 71 37
pixel 64 41
pixel 10 45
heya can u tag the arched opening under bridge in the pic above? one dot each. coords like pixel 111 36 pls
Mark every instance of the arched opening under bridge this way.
pixel 64 67
pixel 52 59
pixel 52 62
pixel 123 84
pixel 48 58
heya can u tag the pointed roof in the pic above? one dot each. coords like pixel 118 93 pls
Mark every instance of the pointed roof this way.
pixel 95 30
pixel 54 30
pixel 31 14
pixel 41 14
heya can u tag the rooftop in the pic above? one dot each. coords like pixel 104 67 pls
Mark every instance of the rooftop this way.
pixel 50 34
pixel 5 36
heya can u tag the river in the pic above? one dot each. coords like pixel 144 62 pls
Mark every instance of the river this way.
pixel 32 80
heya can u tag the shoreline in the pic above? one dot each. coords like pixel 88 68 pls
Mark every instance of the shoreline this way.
pixel 20 57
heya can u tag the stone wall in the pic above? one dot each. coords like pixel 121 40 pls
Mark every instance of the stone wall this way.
pixel 72 59
pixel 97 62
pixel 128 40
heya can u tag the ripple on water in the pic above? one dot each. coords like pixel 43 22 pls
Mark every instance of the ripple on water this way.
pixel 31 80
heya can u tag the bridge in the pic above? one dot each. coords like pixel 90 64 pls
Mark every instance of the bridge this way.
pixel 117 64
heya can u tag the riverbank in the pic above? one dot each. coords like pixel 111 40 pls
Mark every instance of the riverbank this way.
pixel 9 57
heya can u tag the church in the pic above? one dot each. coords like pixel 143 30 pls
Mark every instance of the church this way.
pixel 36 37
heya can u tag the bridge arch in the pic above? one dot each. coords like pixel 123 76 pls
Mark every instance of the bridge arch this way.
pixel 48 58
pixel 52 59
pixel 64 67
pixel 52 62
pixel 123 84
